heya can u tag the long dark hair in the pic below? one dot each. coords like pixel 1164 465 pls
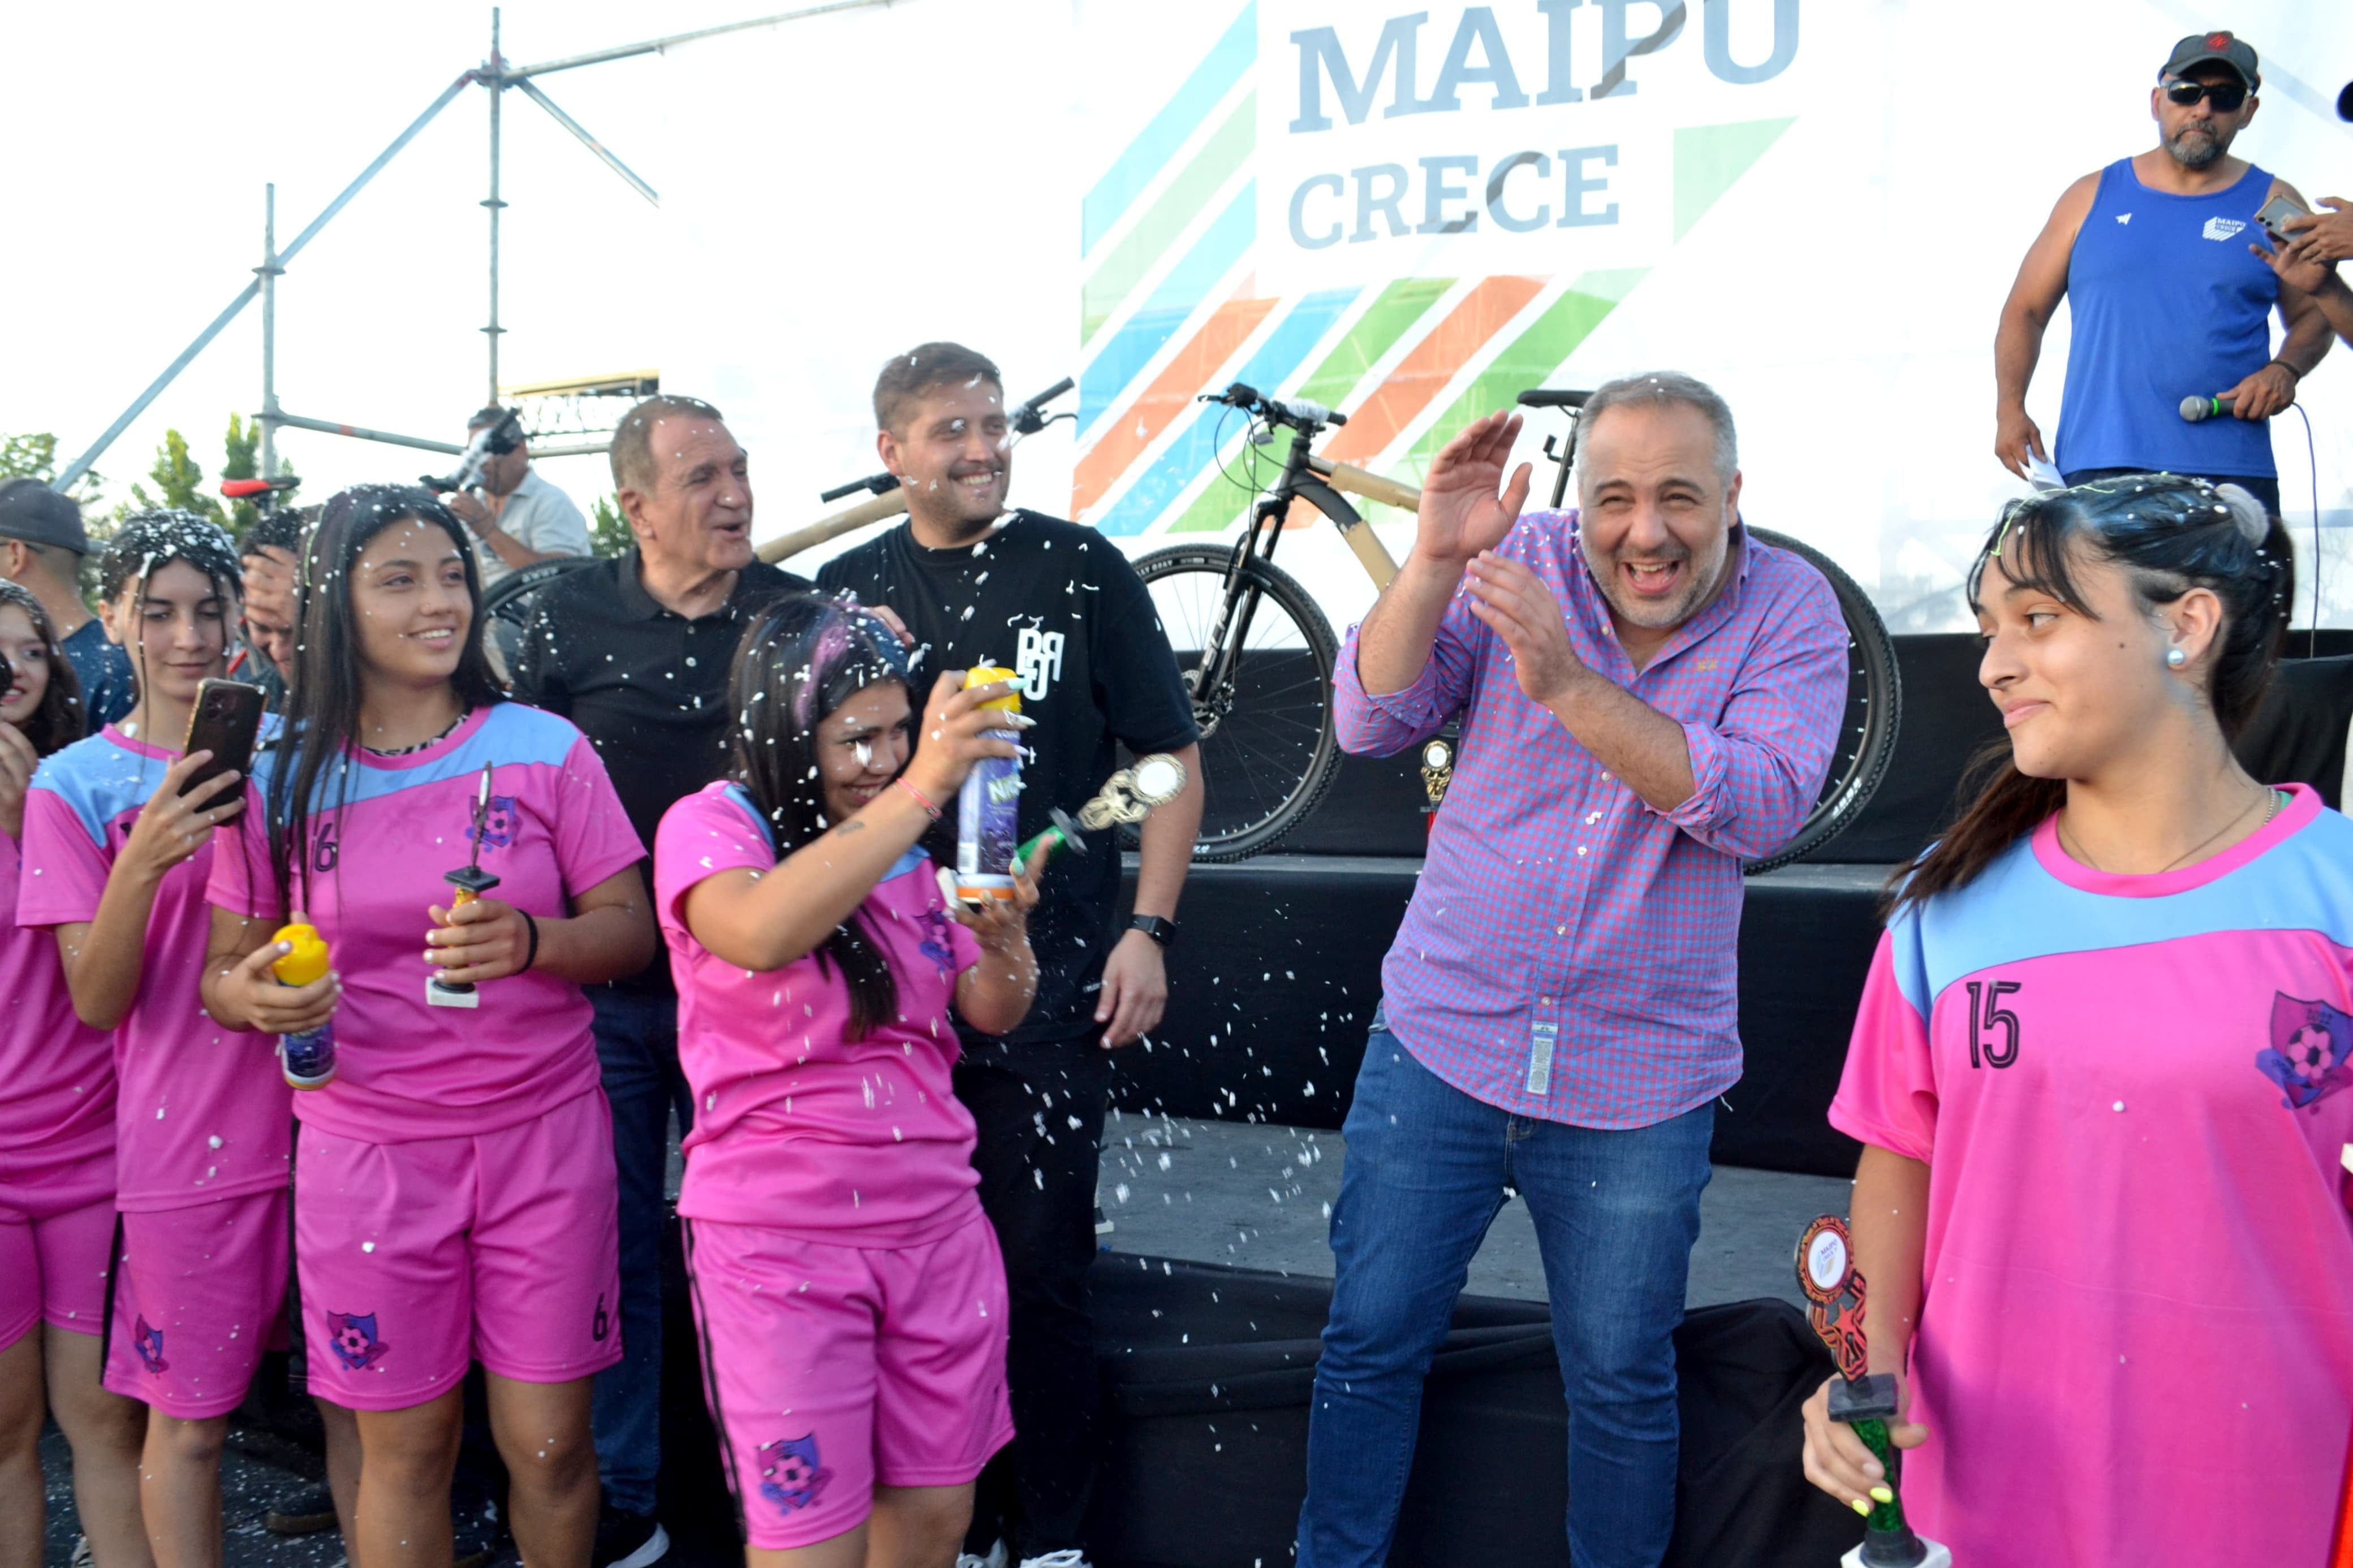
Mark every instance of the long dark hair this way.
pixel 322 710
pixel 146 543
pixel 801 657
pixel 2170 534
pixel 57 722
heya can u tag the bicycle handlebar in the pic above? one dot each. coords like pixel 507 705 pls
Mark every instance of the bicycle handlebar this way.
pixel 889 499
pixel 1299 415
pixel 881 484
pixel 1550 397
pixel 1030 417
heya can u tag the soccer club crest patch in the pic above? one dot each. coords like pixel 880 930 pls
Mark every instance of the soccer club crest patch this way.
pixel 2311 1052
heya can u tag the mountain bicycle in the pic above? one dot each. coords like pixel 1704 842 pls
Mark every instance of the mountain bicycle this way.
pixel 1258 653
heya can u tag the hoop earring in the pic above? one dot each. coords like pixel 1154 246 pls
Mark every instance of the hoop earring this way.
pixel 2175 658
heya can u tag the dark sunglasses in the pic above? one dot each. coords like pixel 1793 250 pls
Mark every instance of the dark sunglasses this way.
pixel 2225 96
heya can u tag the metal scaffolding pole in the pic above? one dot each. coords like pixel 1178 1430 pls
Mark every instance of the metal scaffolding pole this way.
pixel 496 75
pixel 656 46
pixel 80 466
pixel 494 78
pixel 530 89
pixel 362 433
pixel 269 269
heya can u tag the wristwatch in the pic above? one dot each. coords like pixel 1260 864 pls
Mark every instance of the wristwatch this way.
pixel 1159 928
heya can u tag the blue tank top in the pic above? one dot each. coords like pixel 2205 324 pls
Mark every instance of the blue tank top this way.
pixel 2166 303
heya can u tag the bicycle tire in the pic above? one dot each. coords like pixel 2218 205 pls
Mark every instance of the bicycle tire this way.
pixel 1257 785
pixel 509 598
pixel 1868 724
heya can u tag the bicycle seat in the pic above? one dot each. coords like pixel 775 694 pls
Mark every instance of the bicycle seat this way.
pixel 1551 398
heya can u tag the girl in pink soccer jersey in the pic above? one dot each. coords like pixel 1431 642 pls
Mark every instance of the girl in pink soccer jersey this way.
pixel 57 1160
pixel 848 1289
pixel 2099 1072
pixel 116 859
pixel 454 1185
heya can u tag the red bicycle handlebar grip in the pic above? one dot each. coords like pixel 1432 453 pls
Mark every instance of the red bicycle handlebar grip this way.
pixel 237 490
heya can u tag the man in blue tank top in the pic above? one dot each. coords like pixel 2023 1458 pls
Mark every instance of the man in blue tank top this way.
pixel 2167 300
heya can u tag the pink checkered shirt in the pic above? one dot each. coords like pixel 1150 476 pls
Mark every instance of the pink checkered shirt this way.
pixel 1571 953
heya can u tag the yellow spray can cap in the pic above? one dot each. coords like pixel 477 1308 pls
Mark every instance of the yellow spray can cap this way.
pixel 307 962
pixel 987 673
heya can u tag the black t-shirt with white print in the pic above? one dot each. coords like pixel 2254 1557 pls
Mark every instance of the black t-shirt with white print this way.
pixel 1060 605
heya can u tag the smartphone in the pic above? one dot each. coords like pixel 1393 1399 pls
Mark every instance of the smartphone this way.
pixel 2276 212
pixel 227 718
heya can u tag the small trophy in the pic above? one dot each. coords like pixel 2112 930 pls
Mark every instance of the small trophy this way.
pixel 470 882
pixel 1863 1400
pixel 1128 797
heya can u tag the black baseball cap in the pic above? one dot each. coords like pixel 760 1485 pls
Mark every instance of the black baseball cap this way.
pixel 2215 49
pixel 32 511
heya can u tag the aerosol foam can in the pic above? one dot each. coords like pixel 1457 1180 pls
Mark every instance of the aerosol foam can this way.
pixel 988 812
pixel 308 1060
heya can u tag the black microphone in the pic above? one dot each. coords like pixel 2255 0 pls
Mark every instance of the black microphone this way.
pixel 2197 408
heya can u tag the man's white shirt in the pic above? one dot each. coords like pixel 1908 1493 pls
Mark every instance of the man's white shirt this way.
pixel 539 517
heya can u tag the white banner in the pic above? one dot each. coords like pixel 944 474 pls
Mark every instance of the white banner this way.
pixel 1411 215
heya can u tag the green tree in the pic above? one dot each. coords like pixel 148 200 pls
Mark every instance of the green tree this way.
pixel 179 482
pixel 34 456
pixel 241 460
pixel 609 531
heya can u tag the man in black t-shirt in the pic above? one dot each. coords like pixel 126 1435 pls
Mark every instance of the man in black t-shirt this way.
pixel 1061 607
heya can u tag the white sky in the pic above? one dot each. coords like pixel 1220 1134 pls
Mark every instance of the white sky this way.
pixel 141 137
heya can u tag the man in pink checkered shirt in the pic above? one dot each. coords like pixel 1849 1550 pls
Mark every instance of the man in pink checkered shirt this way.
pixel 1649 698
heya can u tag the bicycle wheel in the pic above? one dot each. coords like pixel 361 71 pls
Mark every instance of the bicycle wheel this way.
pixel 1875 711
pixel 509 598
pixel 1268 753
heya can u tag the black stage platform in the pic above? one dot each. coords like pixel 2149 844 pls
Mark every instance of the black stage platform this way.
pixel 1275 980
pixel 1209 1373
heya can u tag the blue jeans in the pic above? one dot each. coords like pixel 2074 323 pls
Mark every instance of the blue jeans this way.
pixel 1616 1215
pixel 636 1046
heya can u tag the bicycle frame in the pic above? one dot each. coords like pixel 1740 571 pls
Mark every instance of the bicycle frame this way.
pixel 1304 478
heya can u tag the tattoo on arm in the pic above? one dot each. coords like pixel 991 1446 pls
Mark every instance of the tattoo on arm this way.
pixel 846 829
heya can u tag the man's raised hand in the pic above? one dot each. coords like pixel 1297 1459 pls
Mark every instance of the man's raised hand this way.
pixel 1461 512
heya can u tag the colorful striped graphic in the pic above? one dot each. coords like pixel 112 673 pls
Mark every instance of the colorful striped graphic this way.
pixel 1168 309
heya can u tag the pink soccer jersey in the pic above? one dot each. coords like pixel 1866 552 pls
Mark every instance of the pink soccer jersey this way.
pixel 200 1110
pixel 2137 1340
pixel 57 1107
pixel 381 838
pixel 798 1128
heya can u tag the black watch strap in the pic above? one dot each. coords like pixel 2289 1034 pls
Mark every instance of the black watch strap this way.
pixel 1159 928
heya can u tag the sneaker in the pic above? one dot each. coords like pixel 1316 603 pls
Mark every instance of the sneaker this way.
pixel 81 1552
pixel 995 1558
pixel 629 1539
pixel 1103 1227
pixel 305 1512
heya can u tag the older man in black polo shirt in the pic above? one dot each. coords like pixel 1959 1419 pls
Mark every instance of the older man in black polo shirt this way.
pixel 635 651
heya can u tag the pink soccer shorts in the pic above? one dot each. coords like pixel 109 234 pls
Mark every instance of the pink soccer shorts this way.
pixel 55 1237
pixel 503 1248
pixel 830 1370
pixel 199 1293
